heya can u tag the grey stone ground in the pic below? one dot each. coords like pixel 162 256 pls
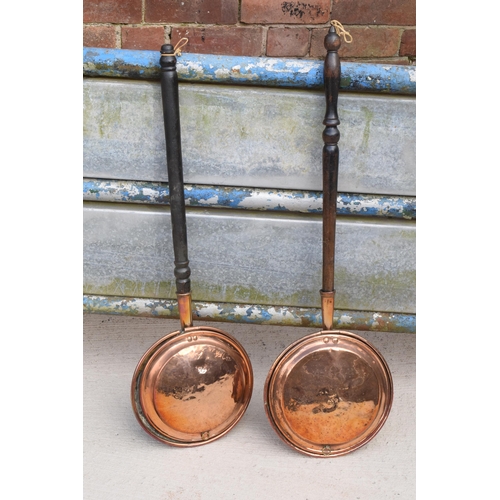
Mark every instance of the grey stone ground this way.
pixel 122 462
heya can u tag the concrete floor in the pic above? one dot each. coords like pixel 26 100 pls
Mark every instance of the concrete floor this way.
pixel 122 462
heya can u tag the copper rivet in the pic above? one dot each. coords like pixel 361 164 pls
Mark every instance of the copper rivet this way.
pixel 205 435
pixel 325 340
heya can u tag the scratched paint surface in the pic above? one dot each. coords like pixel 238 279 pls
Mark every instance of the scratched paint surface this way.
pixel 249 257
pixel 282 72
pixel 249 137
pixel 254 314
pixel 249 199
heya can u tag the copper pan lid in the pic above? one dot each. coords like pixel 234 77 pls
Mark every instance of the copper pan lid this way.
pixel 193 387
pixel 328 394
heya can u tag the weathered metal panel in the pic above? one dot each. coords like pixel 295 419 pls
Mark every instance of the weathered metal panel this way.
pixel 252 314
pixel 249 257
pixel 273 200
pixel 282 72
pixel 249 137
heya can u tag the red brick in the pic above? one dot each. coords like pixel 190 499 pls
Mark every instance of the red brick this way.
pixel 399 61
pixel 408 43
pixel 192 11
pixel 112 11
pixel 99 36
pixel 234 41
pixel 366 42
pixel 285 11
pixel 318 42
pixel 396 13
pixel 287 42
pixel 147 38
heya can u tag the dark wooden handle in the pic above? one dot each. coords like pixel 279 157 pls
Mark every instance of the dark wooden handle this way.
pixel 331 137
pixel 171 117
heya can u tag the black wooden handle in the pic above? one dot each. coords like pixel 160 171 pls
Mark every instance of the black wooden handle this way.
pixel 331 137
pixel 171 117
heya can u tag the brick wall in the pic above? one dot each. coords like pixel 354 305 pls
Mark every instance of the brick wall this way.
pixel 383 31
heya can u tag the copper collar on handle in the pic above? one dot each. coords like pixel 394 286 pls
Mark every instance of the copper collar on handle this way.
pixel 185 311
pixel 327 308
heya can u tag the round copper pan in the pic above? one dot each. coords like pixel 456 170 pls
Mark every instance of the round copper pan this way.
pixel 193 387
pixel 328 394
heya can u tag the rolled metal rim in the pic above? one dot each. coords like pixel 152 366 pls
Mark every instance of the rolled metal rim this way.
pixel 192 387
pixel 328 393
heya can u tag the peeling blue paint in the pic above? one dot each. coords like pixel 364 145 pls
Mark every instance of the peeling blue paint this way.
pixel 254 314
pixel 156 306
pixel 113 305
pixel 273 72
pixel 202 196
pixel 156 193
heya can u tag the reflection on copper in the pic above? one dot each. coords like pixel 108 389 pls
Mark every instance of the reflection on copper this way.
pixel 346 421
pixel 328 394
pixel 192 386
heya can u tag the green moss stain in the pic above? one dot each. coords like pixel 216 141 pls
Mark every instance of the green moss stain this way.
pixel 129 288
pixel 382 283
pixel 120 68
pixel 366 131
pixel 345 82
pixel 396 290
pixel 308 297
pixel 102 117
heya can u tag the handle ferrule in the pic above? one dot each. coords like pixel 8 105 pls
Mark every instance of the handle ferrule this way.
pixel 185 310
pixel 327 308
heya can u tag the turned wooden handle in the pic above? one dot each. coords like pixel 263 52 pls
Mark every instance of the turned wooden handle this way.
pixel 331 137
pixel 171 117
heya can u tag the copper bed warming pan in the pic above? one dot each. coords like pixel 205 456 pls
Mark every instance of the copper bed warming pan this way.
pixel 193 385
pixel 330 392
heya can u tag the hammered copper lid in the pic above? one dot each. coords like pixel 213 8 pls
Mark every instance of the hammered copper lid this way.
pixel 328 394
pixel 193 387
